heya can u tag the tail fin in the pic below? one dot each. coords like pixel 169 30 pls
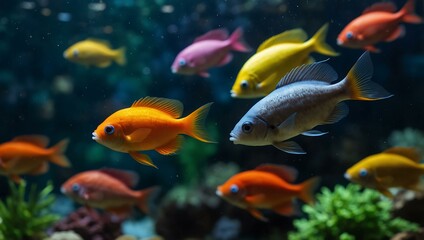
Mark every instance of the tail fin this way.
pixel 57 156
pixel 194 123
pixel 358 81
pixel 120 56
pixel 145 197
pixel 307 189
pixel 237 42
pixel 319 44
pixel 408 13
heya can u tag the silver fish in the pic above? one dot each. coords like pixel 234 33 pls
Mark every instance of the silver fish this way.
pixel 303 99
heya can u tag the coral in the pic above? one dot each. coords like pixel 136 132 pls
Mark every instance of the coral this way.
pixel 348 214
pixel 65 235
pixel 26 219
pixel 90 224
pixel 408 137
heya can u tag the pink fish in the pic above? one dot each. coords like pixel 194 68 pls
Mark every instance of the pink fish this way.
pixel 209 50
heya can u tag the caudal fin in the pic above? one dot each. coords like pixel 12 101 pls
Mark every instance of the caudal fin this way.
pixel 57 156
pixel 120 56
pixel 319 44
pixel 358 81
pixel 145 197
pixel 237 42
pixel 307 189
pixel 194 123
pixel 408 13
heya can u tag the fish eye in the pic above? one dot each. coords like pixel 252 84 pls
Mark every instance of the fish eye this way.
pixel 244 84
pixel 75 53
pixel 247 127
pixel 349 35
pixel 234 188
pixel 182 62
pixel 363 172
pixel 75 187
pixel 109 129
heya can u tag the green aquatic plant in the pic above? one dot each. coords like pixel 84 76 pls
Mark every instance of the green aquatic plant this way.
pixel 349 213
pixel 26 217
pixel 193 156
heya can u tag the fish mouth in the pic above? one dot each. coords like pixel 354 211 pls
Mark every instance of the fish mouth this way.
pixel 233 138
pixel 173 70
pixel 62 190
pixel 233 93
pixel 339 42
pixel 94 136
pixel 219 193
pixel 347 176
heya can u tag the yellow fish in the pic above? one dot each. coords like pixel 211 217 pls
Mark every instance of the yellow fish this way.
pixel 274 58
pixel 395 167
pixel 95 52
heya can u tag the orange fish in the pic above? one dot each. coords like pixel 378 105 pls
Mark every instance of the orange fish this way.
pixel 108 189
pixel 378 23
pixel 150 124
pixel 267 187
pixel 28 155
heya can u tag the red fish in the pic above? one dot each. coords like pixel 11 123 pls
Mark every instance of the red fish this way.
pixel 267 187
pixel 378 23
pixel 29 155
pixel 108 189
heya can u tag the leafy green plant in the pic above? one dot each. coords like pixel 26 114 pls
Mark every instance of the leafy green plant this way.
pixel 349 214
pixel 26 218
pixel 194 155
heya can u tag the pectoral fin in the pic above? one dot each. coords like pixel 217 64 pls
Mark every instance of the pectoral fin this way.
pixel 170 147
pixel 226 59
pixel 42 168
pixel 289 123
pixel 371 48
pixel 15 178
pixel 398 33
pixel 385 192
pixel 257 214
pixel 289 147
pixel 142 158
pixel 287 209
pixel 313 133
pixel 104 64
pixel 138 135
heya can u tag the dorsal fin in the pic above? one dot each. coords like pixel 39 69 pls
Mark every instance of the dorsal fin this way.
pixel 381 7
pixel 285 172
pixel 129 178
pixel 169 106
pixel 217 34
pixel 319 71
pixel 38 140
pixel 291 36
pixel 99 41
pixel 408 152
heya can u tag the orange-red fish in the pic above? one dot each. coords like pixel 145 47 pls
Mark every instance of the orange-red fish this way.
pixel 29 154
pixel 378 23
pixel 151 124
pixel 395 167
pixel 267 187
pixel 108 189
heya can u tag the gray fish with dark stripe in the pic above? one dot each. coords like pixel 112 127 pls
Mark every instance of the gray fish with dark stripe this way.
pixel 304 99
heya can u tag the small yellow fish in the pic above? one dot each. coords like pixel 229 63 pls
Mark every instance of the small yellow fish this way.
pixel 95 52
pixel 395 167
pixel 274 58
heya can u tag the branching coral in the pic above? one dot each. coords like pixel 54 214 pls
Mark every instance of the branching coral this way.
pixel 90 224
pixel 20 219
pixel 348 214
